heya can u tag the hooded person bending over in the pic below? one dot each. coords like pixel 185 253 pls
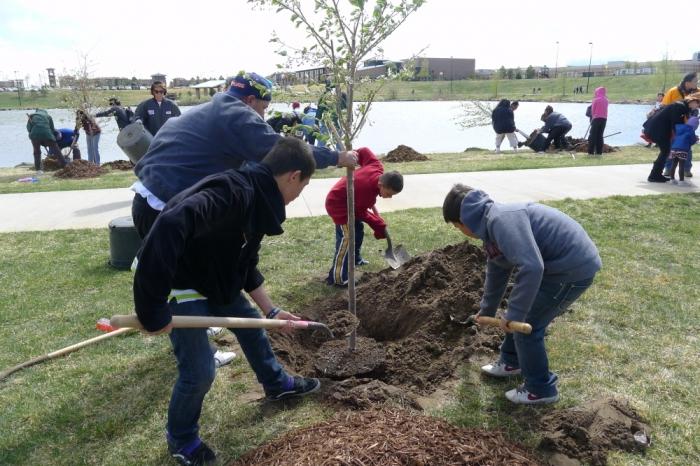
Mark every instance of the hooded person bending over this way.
pixel 199 258
pixel 554 262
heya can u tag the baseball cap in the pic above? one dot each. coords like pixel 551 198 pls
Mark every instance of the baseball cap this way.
pixel 245 84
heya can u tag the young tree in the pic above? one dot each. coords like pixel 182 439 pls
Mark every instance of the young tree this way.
pixel 530 72
pixel 342 36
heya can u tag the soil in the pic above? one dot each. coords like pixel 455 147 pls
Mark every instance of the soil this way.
pixel 585 434
pixel 404 154
pixel 80 169
pixel 581 145
pixel 119 165
pixel 50 164
pixel 336 361
pixel 387 437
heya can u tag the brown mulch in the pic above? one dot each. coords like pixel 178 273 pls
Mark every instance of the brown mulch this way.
pixel 119 165
pixel 404 154
pixel 80 169
pixel 50 164
pixel 387 437
pixel 581 145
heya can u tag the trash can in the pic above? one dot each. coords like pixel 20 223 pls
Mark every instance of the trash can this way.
pixel 134 140
pixel 124 242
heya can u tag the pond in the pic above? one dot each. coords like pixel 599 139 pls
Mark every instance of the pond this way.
pixel 427 127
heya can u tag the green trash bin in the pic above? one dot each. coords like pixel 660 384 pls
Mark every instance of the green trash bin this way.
pixel 124 242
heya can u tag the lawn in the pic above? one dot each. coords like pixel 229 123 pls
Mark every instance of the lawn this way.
pixel 471 160
pixel 633 335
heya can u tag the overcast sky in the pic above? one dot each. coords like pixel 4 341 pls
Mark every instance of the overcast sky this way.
pixel 211 38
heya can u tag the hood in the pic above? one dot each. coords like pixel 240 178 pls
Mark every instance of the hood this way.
pixel 600 92
pixel 475 207
pixel 504 103
pixel 269 210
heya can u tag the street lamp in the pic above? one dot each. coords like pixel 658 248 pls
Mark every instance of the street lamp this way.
pixel 556 61
pixel 451 74
pixel 590 57
pixel 19 90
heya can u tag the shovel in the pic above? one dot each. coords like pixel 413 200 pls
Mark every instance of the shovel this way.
pixel 395 257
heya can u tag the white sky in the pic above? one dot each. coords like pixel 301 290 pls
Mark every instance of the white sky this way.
pixel 185 39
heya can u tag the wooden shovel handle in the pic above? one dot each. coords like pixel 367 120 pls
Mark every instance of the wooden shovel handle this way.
pixel 132 321
pixel 520 327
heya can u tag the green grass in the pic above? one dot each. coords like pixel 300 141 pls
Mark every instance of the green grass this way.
pixel 471 160
pixel 633 335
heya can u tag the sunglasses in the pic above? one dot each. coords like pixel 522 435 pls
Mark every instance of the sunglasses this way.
pixel 158 92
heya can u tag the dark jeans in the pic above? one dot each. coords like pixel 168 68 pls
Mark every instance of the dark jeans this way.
pixel 338 275
pixel 527 351
pixel 53 148
pixel 595 139
pixel 657 169
pixel 688 162
pixel 557 135
pixel 143 215
pixel 196 365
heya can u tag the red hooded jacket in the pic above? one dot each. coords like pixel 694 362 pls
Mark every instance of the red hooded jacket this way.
pixel 366 181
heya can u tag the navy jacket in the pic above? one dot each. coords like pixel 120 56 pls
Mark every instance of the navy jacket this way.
pixel 154 116
pixel 502 118
pixel 207 238
pixel 120 114
pixel 216 136
pixel 660 126
pixel 555 120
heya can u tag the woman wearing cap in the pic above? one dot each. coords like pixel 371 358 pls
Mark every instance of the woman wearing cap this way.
pixel 156 111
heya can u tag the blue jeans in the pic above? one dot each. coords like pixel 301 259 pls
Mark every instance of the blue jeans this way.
pixel 196 364
pixel 688 162
pixel 338 274
pixel 93 141
pixel 527 351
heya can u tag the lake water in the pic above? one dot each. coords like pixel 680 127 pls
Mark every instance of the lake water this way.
pixel 425 126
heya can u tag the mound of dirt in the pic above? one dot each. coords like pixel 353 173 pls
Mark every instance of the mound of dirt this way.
pixel 80 169
pixel 581 145
pixel 585 434
pixel 404 154
pixel 387 438
pixel 119 165
pixel 50 164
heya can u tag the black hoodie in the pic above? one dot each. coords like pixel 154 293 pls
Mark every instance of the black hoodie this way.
pixel 502 118
pixel 207 238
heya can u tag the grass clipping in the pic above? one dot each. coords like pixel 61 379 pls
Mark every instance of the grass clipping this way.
pixel 387 438
pixel 80 169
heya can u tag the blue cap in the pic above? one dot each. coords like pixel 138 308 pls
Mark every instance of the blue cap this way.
pixel 245 84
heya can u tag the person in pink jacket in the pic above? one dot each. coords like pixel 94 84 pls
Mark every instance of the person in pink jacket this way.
pixel 599 117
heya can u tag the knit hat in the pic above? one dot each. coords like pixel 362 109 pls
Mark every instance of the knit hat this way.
pixel 245 84
pixel 693 122
pixel 296 105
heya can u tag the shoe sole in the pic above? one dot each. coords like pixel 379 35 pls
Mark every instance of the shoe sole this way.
pixel 501 375
pixel 539 401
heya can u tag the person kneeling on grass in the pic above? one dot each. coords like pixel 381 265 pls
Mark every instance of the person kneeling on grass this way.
pixel 370 181
pixel 200 255
pixel 555 260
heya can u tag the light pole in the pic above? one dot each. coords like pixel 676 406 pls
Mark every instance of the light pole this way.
pixel 19 90
pixel 590 57
pixel 556 61
pixel 451 74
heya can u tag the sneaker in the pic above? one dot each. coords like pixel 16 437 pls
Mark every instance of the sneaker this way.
pixel 301 386
pixel 221 358
pixel 521 396
pixel 500 369
pixel 688 175
pixel 497 151
pixel 200 455
pixel 657 179
pixel 214 331
pixel 674 181
pixel 685 184
pixel 667 172
pixel 361 262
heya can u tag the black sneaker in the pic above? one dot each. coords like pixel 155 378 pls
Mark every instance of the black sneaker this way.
pixel 202 455
pixel 302 386
pixel 657 179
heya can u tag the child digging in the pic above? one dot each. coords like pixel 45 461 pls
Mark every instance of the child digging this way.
pixel 683 140
pixel 555 262
pixel 370 181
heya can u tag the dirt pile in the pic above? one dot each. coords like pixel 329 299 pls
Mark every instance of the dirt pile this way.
pixel 581 145
pixel 387 438
pixel 119 165
pixel 586 433
pixel 80 169
pixel 50 164
pixel 404 154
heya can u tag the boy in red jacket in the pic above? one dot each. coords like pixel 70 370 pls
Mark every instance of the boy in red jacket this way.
pixel 370 182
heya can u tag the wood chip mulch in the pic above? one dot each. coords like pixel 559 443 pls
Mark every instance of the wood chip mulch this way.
pixel 119 165
pixel 80 169
pixel 387 437
pixel 404 154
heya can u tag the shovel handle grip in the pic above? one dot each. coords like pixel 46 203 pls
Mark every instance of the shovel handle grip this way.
pixel 520 327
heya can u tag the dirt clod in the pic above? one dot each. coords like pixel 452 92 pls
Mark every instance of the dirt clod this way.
pixel 387 438
pixel 404 154
pixel 80 169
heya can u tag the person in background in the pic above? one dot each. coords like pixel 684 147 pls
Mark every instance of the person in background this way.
pixel 657 106
pixel 92 134
pixel 599 118
pixel 153 113
pixel 556 126
pixel 66 137
pixel 683 139
pixel 122 115
pixel 503 122
pixel 309 119
pixel 41 133
pixel 687 86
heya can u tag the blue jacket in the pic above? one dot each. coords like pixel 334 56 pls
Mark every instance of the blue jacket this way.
pixel 216 136
pixel 543 243
pixel 154 116
pixel 684 138
pixel 502 118
pixel 121 114
pixel 555 120
pixel 66 137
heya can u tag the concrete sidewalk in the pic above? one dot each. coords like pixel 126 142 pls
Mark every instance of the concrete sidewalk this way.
pixel 96 208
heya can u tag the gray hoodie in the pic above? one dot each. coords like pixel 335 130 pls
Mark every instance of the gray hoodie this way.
pixel 543 243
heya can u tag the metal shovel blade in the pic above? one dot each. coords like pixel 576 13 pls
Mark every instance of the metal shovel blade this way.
pixel 396 257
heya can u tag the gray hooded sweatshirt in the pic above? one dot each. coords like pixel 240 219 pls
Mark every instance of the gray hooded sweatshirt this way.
pixel 543 243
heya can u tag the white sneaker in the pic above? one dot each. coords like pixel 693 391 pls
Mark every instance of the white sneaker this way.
pixel 500 369
pixel 214 331
pixel 685 183
pixel 221 358
pixel 674 181
pixel 520 395
pixel 497 151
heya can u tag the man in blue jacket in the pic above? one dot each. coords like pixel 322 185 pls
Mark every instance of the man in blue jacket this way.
pixel 154 112
pixel 211 138
pixel 555 262
pixel 200 256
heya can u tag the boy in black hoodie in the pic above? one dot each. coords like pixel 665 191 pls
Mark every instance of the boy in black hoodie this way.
pixel 199 257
